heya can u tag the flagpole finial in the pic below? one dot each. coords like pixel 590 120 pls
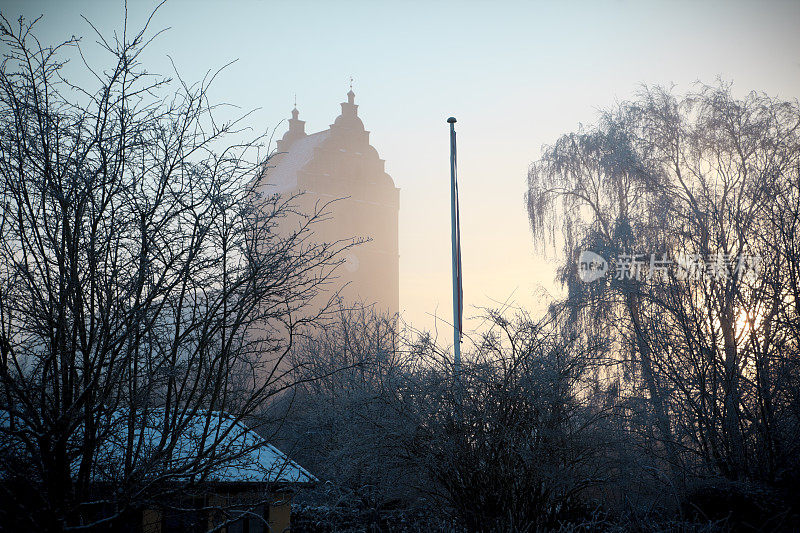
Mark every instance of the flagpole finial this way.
pixel 451 120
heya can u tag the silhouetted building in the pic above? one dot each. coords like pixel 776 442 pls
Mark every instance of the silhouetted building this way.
pixel 339 163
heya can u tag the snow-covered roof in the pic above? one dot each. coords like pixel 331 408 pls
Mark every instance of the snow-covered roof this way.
pixel 223 449
pixel 247 456
pixel 283 176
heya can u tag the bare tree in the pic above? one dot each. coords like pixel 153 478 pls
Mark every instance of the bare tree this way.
pixel 344 422
pixel 143 284
pixel 513 444
pixel 709 182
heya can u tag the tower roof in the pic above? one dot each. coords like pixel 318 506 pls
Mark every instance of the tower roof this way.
pixel 345 141
pixel 283 175
pixel 297 130
pixel 349 117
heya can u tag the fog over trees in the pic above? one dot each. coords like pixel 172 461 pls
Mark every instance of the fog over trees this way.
pixel 144 286
pixel 663 396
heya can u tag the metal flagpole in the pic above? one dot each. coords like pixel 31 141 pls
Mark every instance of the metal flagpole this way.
pixel 456 249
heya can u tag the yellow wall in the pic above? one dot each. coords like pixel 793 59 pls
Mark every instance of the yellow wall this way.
pixel 280 513
pixel 151 521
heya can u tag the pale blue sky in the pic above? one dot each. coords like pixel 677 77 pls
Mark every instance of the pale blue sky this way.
pixel 515 74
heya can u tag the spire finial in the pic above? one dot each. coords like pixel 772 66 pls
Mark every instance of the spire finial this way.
pixel 295 99
pixel 351 96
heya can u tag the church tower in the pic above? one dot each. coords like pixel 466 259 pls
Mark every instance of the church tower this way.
pixel 340 164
